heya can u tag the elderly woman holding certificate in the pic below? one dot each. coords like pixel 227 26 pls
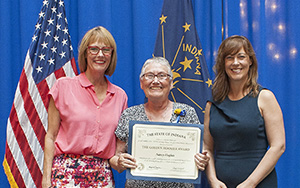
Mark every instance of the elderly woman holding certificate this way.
pixel 156 82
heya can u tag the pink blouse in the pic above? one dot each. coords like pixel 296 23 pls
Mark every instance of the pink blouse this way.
pixel 87 127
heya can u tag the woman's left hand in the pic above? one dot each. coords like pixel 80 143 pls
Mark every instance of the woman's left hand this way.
pixel 201 160
pixel 246 184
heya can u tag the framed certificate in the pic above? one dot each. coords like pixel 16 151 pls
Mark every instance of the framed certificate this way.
pixel 165 151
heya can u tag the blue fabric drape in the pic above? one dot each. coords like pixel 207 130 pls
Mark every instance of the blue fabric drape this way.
pixel 272 26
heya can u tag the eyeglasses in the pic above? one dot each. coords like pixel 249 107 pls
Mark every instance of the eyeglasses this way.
pixel 160 76
pixel 94 50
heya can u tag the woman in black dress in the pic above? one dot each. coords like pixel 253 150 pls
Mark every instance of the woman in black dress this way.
pixel 243 125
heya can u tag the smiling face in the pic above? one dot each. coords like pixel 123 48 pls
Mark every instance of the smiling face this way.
pixel 97 62
pixel 237 66
pixel 156 90
pixel 98 36
pixel 235 63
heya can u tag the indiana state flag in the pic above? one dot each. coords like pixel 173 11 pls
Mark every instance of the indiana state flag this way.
pixel 178 42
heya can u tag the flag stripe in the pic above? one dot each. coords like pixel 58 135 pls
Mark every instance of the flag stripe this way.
pixel 30 133
pixel 34 93
pixel 50 81
pixel 34 119
pixel 59 73
pixel 70 68
pixel 12 173
pixel 43 90
pixel 30 161
pixel 20 163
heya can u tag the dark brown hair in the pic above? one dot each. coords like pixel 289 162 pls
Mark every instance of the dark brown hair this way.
pixel 231 46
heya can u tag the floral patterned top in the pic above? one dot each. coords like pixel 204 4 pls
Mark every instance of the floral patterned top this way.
pixel 138 113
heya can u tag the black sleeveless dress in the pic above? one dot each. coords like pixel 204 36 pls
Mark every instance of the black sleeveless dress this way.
pixel 240 140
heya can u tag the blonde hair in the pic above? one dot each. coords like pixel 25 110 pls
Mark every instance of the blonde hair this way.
pixel 231 46
pixel 99 34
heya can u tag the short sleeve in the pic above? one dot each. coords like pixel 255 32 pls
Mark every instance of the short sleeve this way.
pixel 122 130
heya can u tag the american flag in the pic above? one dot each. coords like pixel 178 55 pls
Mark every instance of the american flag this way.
pixel 50 56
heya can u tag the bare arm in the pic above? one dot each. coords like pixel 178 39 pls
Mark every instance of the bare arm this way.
pixel 53 127
pixel 122 160
pixel 201 160
pixel 208 146
pixel 274 125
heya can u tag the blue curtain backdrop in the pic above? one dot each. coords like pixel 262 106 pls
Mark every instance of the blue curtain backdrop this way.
pixel 271 25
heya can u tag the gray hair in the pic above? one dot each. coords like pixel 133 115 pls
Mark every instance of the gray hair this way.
pixel 159 60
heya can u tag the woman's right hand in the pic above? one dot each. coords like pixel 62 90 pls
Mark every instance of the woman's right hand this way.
pixel 125 160
pixel 218 184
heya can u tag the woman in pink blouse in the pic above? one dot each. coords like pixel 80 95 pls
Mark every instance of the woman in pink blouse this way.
pixel 83 114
